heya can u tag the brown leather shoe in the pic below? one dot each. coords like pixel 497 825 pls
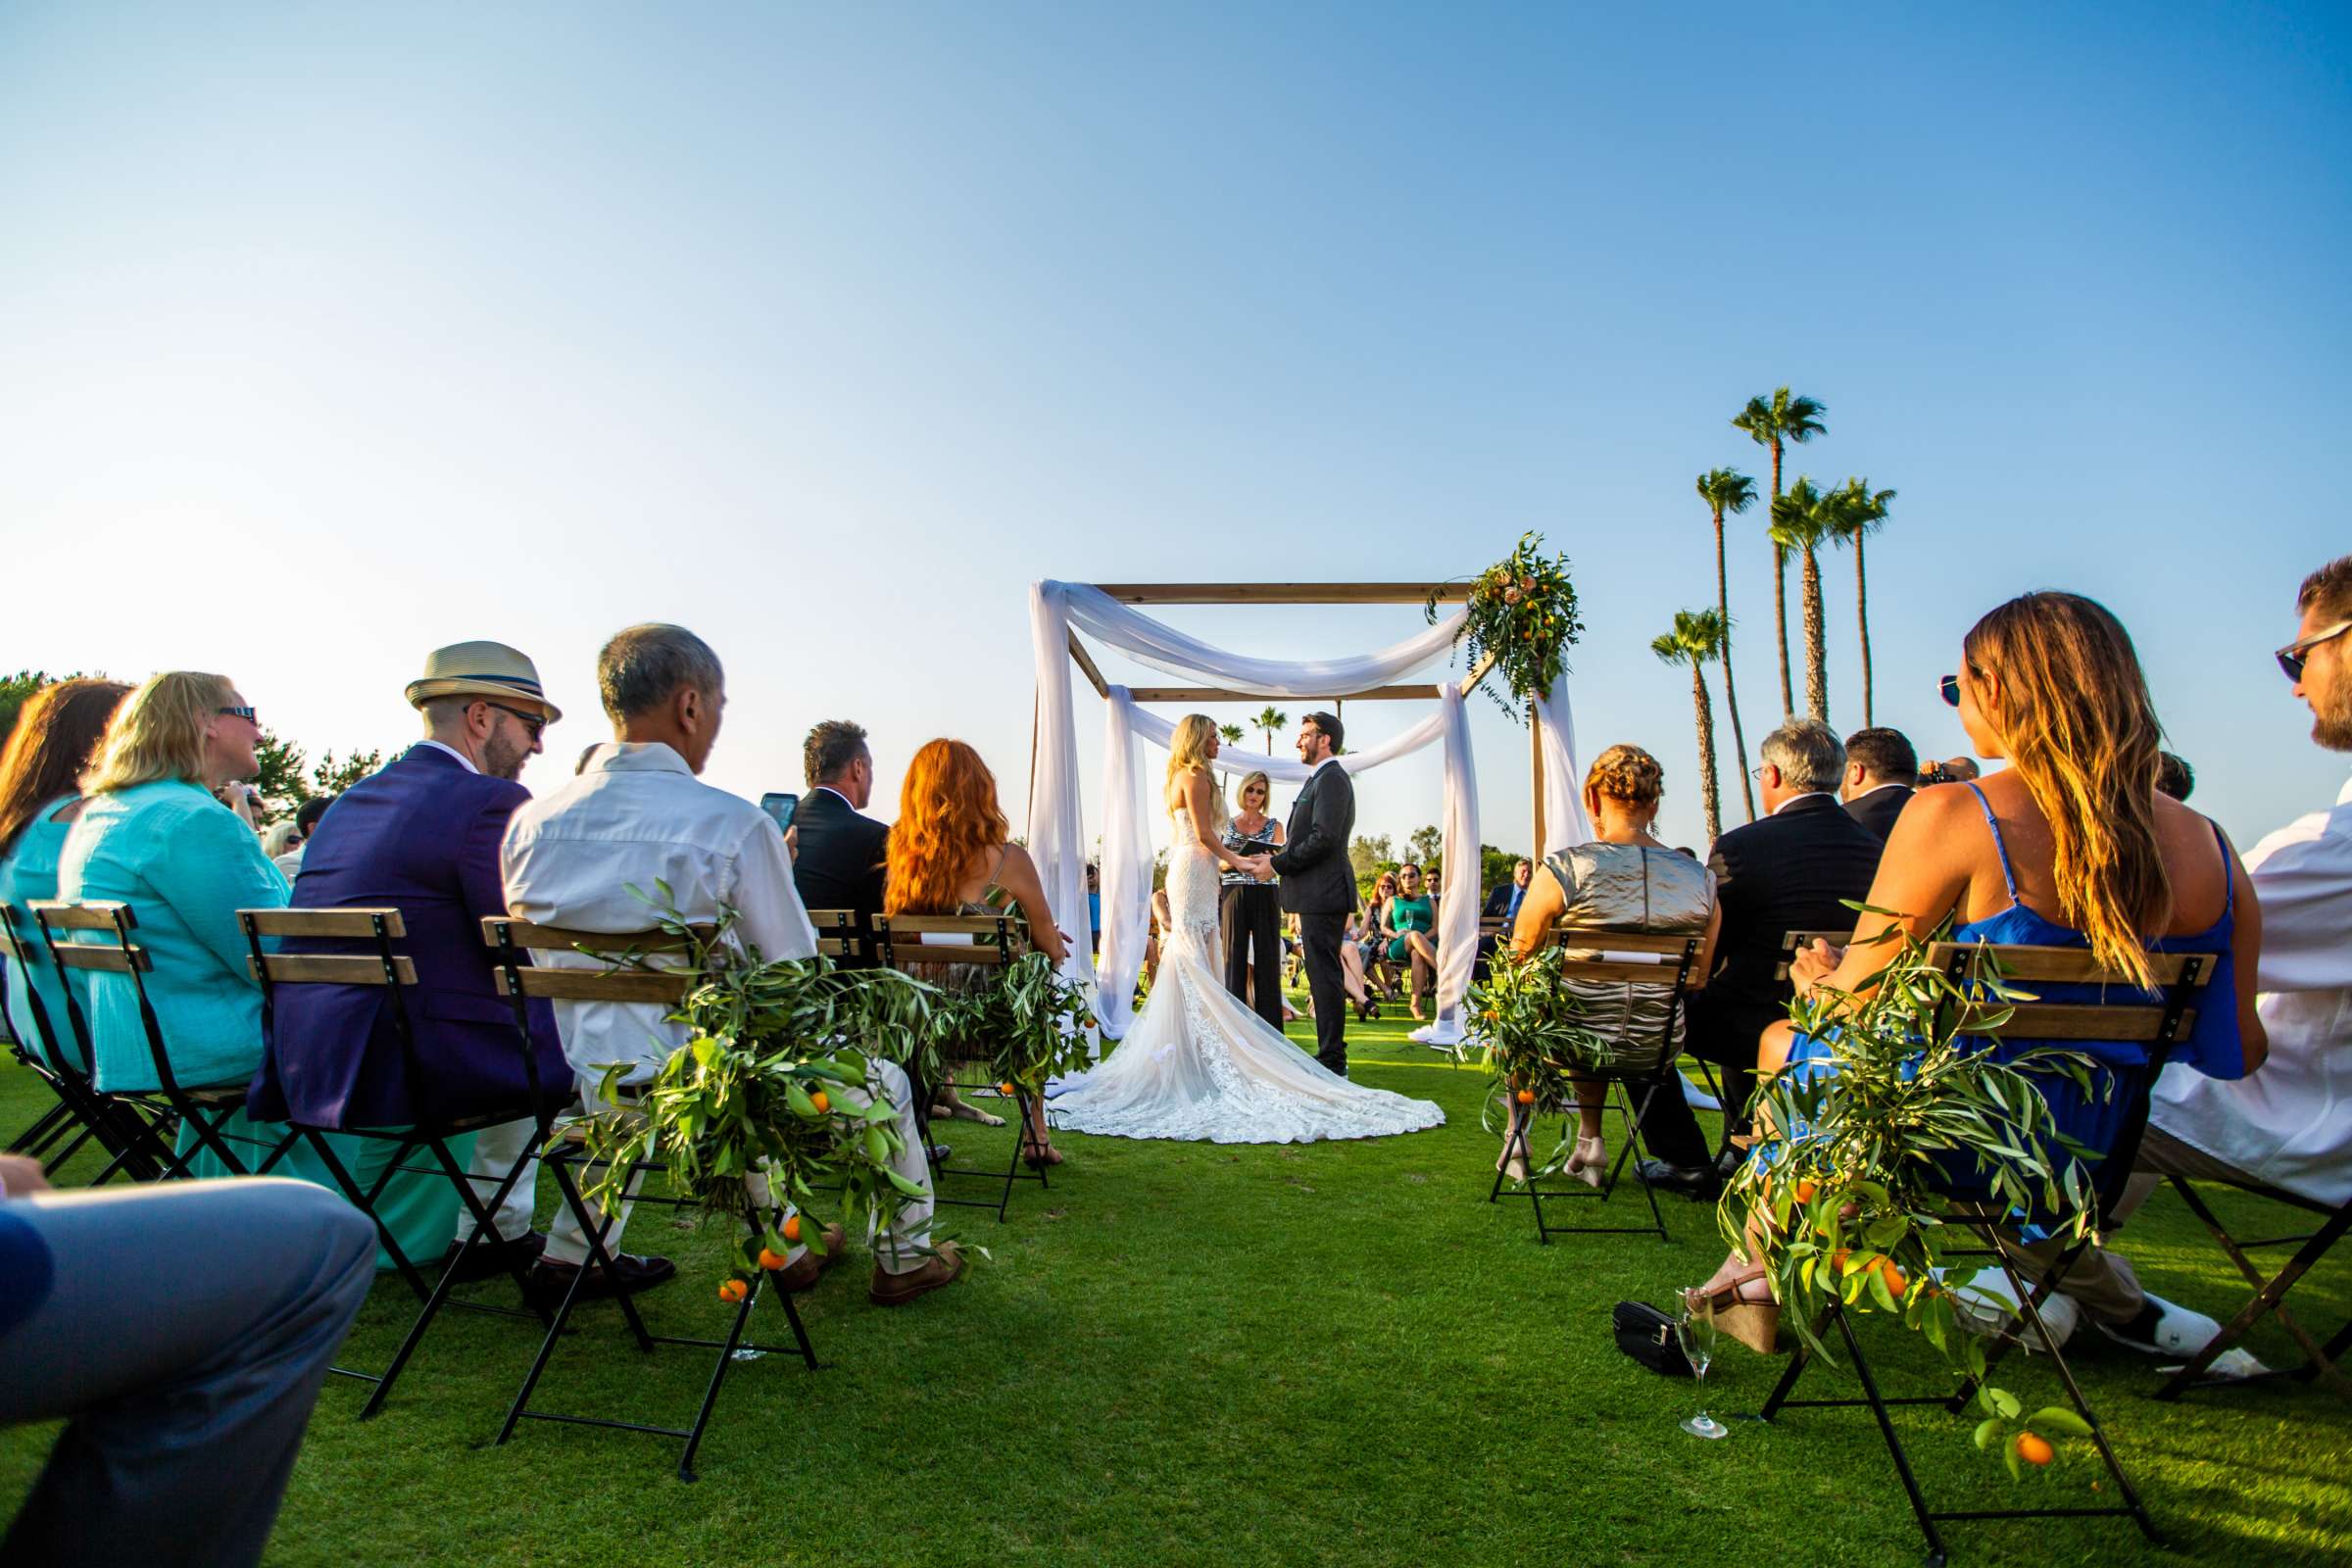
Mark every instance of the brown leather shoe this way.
pixel 897 1290
pixel 806 1269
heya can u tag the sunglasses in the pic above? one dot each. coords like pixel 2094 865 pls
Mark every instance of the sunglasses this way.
pixel 247 715
pixel 532 723
pixel 1949 685
pixel 2290 657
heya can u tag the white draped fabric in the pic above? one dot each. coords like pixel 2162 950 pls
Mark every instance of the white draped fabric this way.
pixel 1131 808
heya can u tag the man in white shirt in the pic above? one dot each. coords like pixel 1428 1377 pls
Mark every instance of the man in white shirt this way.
pixel 636 815
pixel 2289 1124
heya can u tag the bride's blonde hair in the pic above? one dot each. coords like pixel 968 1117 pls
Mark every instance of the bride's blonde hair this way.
pixel 1188 749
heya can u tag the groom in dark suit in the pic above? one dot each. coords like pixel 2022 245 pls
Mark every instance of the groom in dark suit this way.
pixel 1318 881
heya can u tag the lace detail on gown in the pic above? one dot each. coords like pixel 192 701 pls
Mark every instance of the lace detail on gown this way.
pixel 1199 1066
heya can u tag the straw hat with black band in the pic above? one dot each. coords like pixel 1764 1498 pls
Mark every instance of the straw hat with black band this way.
pixel 480 670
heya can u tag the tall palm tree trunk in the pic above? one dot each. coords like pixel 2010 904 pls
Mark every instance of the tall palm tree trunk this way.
pixel 1780 591
pixel 1817 672
pixel 1708 785
pixel 1862 613
pixel 1730 694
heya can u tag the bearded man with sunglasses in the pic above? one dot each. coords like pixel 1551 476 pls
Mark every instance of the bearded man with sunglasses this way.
pixel 422 836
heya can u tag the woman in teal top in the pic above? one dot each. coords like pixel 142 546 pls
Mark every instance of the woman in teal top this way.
pixel 57 733
pixel 152 836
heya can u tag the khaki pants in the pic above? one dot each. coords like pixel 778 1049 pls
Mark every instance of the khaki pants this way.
pixel 2102 1282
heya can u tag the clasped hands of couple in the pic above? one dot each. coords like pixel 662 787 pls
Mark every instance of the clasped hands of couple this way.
pixel 1260 866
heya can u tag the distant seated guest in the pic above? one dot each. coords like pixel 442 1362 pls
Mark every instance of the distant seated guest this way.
pixel 1790 869
pixel 2173 775
pixel 1881 771
pixel 952 853
pixel 1503 902
pixel 841 863
pixel 637 816
pixel 306 822
pixel 278 840
pixel 1094 905
pixel 421 835
pixel 57 736
pixel 2051 683
pixel 184 1398
pixel 1627 880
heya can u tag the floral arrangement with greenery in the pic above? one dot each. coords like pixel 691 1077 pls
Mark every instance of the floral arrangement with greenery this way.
pixel 1523 611
pixel 1849 1198
pixel 1033 1018
pixel 758 1085
pixel 1524 1030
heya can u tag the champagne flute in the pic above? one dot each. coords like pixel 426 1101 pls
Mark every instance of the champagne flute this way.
pixel 1696 1330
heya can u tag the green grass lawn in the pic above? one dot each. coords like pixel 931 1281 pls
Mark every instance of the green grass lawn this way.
pixel 1184 1353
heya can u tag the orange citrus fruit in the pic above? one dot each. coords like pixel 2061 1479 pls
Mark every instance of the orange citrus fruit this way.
pixel 2034 1448
pixel 733 1291
pixel 792 1227
pixel 1005 1087
pixel 1805 1189
pixel 1526 1097
pixel 1838 1257
pixel 820 1102
pixel 770 1260
pixel 1893 1277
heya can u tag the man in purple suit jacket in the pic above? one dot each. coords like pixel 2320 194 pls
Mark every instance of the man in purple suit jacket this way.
pixel 422 836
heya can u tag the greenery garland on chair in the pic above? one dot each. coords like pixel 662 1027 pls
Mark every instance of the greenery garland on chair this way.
pixel 1525 1032
pixel 772 1043
pixel 1848 1200
pixel 1035 1018
pixel 1523 611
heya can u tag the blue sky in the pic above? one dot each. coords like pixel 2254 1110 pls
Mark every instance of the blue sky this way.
pixel 333 335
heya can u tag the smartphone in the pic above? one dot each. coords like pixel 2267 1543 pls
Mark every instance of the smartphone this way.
pixel 780 807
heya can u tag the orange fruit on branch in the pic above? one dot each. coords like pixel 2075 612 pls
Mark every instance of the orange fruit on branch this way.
pixel 1893 1276
pixel 792 1228
pixel 1005 1087
pixel 1805 1189
pixel 818 1099
pixel 733 1291
pixel 2034 1448
pixel 771 1261
pixel 1526 1096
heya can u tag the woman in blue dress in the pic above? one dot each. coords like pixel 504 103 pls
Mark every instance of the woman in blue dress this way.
pixel 2070 846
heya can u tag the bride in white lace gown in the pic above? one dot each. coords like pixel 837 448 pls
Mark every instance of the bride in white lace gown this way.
pixel 1197 1064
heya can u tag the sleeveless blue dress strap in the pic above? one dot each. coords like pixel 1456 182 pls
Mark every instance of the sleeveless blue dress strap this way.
pixel 1999 847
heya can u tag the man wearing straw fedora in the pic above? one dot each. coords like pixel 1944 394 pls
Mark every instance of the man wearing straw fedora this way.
pixel 422 836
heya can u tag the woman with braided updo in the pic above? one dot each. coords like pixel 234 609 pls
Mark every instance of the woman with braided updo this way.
pixel 1627 880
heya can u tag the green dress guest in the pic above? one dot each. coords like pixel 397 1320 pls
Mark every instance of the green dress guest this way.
pixel 151 835
pixel 1408 916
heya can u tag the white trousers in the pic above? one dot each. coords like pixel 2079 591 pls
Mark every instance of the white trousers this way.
pixel 900 1249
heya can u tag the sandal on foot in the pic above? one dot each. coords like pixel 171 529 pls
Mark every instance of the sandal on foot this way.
pixel 967 1111
pixel 1745 1311
pixel 1589 1163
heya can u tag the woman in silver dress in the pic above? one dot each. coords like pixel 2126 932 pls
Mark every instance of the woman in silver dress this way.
pixel 1624 880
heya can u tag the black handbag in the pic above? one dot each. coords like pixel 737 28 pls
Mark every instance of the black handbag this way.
pixel 1647 1335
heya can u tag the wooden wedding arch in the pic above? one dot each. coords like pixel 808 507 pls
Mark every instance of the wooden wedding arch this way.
pixel 1299 593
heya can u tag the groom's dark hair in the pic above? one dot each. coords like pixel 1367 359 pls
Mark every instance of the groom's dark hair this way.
pixel 1329 724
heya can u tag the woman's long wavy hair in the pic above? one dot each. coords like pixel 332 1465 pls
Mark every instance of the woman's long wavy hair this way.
pixel 947 817
pixel 159 733
pixel 58 731
pixel 2076 720
pixel 1188 749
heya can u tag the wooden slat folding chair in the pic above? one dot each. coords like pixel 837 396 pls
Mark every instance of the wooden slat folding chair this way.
pixel 375 930
pixel 102 942
pixel 991 941
pixel 53 1051
pixel 2180 977
pixel 1682 965
pixel 843 936
pixel 2269 1291
pixel 623 972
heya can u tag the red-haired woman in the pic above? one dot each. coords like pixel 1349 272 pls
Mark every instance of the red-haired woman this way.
pixel 952 853
pixel 57 735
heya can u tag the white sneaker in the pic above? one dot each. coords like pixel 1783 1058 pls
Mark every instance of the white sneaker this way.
pixel 1988 1309
pixel 2181 1332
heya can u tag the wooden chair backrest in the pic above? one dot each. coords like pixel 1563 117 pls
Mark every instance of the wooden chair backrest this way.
pixel 617 978
pixel 114 953
pixel 1684 958
pixel 2182 975
pixel 841 933
pixel 379 968
pixel 996 940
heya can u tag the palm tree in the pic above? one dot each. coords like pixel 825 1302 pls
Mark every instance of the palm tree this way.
pixel 1769 422
pixel 1696 638
pixel 1803 520
pixel 1271 721
pixel 1729 490
pixel 1861 513
pixel 1231 733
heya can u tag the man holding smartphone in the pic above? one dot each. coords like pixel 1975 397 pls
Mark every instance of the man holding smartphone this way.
pixel 839 862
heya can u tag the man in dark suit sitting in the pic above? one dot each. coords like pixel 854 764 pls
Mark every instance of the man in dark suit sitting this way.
pixel 1503 902
pixel 421 835
pixel 1881 771
pixel 841 860
pixel 1787 871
